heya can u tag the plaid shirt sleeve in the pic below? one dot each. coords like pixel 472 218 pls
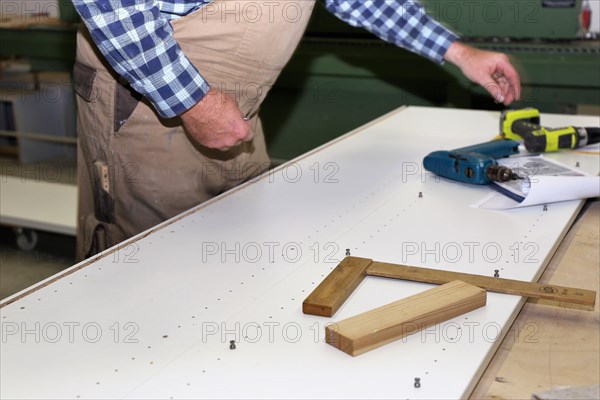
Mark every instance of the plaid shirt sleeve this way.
pixel 138 43
pixel 402 22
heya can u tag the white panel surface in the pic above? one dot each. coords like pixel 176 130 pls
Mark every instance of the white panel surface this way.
pixel 30 203
pixel 154 318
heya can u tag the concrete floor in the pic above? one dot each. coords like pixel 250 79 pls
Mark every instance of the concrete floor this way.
pixel 21 269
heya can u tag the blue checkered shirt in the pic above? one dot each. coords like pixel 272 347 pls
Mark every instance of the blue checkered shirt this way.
pixel 136 38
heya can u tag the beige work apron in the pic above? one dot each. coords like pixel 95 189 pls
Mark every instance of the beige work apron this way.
pixel 137 169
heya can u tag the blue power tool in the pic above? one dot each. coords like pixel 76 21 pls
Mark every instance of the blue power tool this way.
pixel 474 164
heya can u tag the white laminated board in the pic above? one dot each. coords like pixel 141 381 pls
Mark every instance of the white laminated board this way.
pixel 154 318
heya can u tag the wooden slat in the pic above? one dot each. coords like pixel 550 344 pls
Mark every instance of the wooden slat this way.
pixel 559 295
pixel 369 330
pixel 336 287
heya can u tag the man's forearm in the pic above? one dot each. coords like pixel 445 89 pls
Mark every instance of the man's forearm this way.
pixel 405 23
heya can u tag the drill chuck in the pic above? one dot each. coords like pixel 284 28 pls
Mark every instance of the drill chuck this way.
pixel 499 173
pixel 582 136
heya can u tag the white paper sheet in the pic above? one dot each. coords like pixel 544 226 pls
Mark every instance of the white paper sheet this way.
pixel 545 181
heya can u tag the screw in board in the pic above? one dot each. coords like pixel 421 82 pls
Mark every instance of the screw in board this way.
pixel 420 194
pixel 545 207
pixel 347 252
pixel 496 273
pixel 577 164
pixel 417 382
pixel 232 344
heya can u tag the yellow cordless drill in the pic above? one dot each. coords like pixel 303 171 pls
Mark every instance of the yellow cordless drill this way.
pixel 525 124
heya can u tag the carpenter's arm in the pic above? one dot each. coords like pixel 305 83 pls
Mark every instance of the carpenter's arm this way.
pixel 406 24
pixel 138 43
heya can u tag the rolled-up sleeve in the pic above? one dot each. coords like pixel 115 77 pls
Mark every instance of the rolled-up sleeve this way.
pixel 402 22
pixel 138 43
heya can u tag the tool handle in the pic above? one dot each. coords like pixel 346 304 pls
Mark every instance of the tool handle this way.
pixel 533 136
pixel 538 139
pixel 495 148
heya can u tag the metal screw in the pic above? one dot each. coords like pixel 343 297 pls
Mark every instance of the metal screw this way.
pixel 420 194
pixel 417 382
pixel 496 273
pixel 347 252
pixel 545 207
pixel 232 344
pixel 577 164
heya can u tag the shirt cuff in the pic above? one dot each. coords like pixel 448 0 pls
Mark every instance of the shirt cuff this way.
pixel 434 41
pixel 175 88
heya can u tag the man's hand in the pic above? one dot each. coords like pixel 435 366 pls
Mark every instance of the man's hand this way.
pixel 216 122
pixel 491 70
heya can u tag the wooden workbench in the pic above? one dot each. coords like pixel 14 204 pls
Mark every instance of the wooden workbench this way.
pixel 551 347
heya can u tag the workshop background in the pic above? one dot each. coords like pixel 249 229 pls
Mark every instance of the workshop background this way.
pixel 339 78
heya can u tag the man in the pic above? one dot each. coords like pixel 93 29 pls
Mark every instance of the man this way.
pixel 169 92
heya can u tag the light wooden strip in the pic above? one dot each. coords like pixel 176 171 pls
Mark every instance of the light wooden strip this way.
pixel 559 295
pixel 336 287
pixel 369 330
